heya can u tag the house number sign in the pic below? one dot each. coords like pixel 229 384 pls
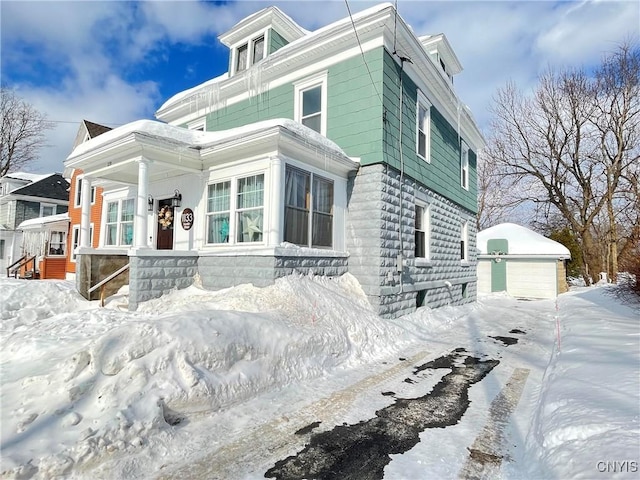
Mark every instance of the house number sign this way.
pixel 187 218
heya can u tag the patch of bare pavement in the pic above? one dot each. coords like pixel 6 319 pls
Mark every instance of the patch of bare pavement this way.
pixel 362 451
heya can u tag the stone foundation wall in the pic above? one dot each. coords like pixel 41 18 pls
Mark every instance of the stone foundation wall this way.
pixel 151 277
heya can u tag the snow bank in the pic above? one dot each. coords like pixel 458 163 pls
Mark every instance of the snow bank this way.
pixel 81 383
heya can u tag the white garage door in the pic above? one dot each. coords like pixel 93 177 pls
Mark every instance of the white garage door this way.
pixel 484 276
pixel 531 278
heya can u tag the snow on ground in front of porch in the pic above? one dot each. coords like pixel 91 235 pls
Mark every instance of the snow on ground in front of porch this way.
pixel 83 385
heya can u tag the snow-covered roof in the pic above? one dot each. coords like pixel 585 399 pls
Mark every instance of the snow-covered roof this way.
pixel 41 221
pixel 522 241
pixel 196 138
pixel 29 177
pixel 307 37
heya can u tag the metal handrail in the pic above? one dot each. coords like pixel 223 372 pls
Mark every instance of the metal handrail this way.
pixel 102 283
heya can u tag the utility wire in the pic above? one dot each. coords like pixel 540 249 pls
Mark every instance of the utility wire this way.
pixel 361 50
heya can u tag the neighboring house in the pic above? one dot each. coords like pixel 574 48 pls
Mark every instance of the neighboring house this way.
pixel 44 244
pixel 307 156
pixel 86 131
pixel 521 262
pixel 26 196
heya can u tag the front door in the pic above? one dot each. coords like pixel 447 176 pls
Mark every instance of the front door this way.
pixel 165 221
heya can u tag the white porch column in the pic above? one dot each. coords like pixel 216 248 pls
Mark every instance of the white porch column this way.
pixel 276 228
pixel 85 216
pixel 141 219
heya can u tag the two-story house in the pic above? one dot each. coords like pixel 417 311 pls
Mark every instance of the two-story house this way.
pixel 24 199
pixel 345 149
pixel 86 131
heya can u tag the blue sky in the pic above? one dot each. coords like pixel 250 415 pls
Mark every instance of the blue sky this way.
pixel 113 62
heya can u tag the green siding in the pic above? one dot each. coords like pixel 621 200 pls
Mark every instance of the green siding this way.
pixel 276 41
pixel 353 107
pixel 276 103
pixel 365 126
pixel 443 173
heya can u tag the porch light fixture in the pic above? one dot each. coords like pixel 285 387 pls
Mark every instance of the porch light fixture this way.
pixel 150 203
pixel 176 199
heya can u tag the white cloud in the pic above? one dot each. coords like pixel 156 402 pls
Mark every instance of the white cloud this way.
pixel 90 47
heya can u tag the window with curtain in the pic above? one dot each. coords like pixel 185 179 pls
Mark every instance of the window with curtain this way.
pixel 297 191
pixel 218 212
pixel 308 209
pixel 322 227
pixel 250 209
pixel 119 224
pixel 57 243
pixel 126 220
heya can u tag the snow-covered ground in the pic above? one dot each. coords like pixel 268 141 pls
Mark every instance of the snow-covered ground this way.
pixel 202 384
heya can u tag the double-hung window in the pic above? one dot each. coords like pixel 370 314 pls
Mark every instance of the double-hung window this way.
pixel 47 210
pixel 57 243
pixel 249 53
pixel 423 231
pixel 308 209
pixel 423 128
pixel 218 212
pixel 311 103
pixel 464 242
pixel 119 225
pixel 78 199
pixel 464 166
pixel 75 240
pixel 250 209
pixel 235 210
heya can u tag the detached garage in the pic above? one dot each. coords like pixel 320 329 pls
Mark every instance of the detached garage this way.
pixel 523 263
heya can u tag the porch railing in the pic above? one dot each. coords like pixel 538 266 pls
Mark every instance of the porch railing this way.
pixel 103 283
pixel 22 261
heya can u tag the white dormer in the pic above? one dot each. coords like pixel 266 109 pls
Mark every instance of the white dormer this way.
pixel 441 53
pixel 257 36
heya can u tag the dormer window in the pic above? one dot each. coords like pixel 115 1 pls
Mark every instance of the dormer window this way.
pixel 241 59
pixel 258 49
pixel 249 53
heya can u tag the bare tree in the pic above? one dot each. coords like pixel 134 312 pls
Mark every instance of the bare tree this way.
pixel 22 132
pixel 617 119
pixel 568 148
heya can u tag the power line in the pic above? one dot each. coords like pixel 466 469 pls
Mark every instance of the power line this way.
pixel 362 51
pixel 77 122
